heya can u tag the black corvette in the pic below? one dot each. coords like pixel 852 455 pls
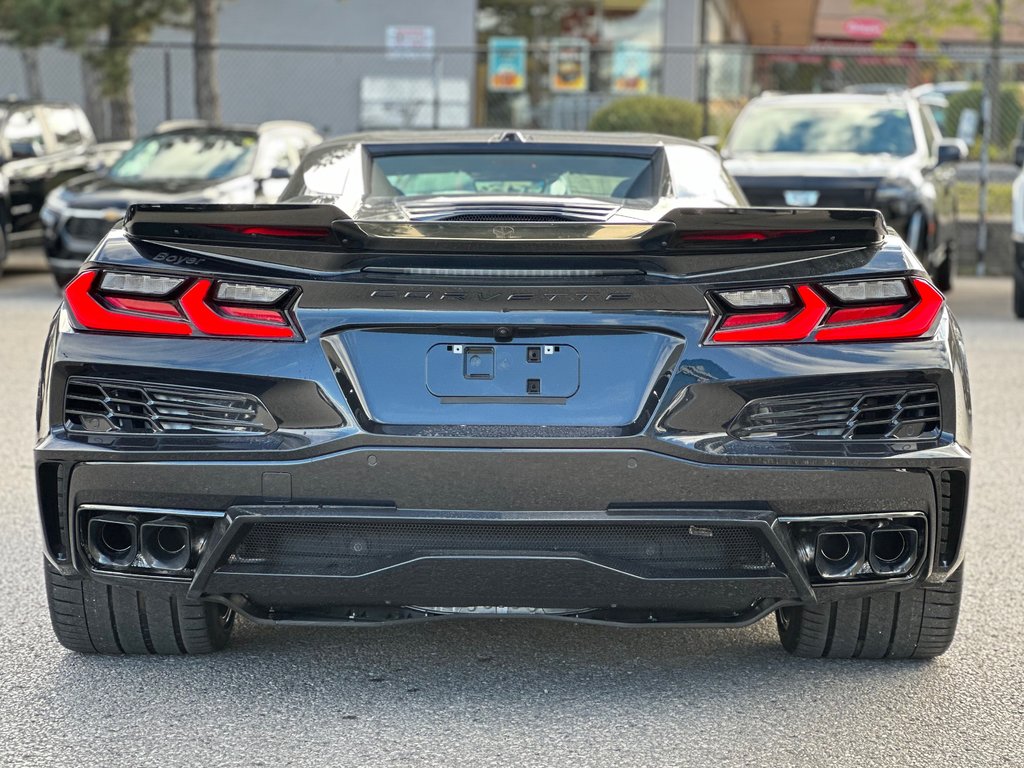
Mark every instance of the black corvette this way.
pixel 463 375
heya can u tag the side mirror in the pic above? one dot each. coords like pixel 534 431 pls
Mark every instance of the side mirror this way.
pixel 952 151
pixel 1018 154
pixel 280 173
pixel 710 141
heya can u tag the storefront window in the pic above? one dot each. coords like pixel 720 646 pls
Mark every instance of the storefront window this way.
pixel 553 64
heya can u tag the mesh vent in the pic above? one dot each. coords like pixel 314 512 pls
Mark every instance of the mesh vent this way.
pixel 353 548
pixel 880 414
pixel 96 405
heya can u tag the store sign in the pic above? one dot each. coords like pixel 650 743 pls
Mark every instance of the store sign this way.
pixel 570 65
pixel 864 28
pixel 631 68
pixel 506 64
pixel 409 42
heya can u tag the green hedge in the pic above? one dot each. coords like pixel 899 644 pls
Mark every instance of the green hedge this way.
pixel 1010 111
pixel 649 114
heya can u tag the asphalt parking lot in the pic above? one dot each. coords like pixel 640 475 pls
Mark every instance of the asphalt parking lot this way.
pixel 501 693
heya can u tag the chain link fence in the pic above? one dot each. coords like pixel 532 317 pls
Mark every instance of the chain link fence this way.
pixel 342 89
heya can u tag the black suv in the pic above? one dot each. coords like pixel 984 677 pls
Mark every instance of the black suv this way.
pixel 854 151
pixel 183 161
pixel 42 145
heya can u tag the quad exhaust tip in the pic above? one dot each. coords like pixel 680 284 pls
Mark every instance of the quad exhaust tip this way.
pixel 118 541
pixel 844 552
pixel 839 552
pixel 166 544
pixel 113 540
pixel 893 550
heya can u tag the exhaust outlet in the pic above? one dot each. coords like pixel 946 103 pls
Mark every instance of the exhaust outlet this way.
pixel 839 552
pixel 112 540
pixel 893 550
pixel 166 544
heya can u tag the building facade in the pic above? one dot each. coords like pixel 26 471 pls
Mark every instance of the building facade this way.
pixel 346 65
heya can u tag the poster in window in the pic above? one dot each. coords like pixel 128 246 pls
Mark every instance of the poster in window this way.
pixel 506 64
pixel 409 42
pixel 570 65
pixel 631 68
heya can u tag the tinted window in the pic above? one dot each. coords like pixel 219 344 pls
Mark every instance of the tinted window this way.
pixel 187 156
pixel 64 126
pixel 24 134
pixel 516 173
pixel 864 129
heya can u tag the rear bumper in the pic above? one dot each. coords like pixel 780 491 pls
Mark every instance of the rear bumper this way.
pixel 347 446
pixel 650 504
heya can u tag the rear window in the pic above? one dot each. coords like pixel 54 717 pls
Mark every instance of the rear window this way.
pixel 510 174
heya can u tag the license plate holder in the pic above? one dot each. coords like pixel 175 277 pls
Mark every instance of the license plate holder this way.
pixel 506 371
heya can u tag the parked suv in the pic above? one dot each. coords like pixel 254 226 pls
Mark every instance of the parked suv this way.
pixel 42 145
pixel 182 162
pixel 881 151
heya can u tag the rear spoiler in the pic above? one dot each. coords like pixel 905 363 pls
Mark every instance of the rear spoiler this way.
pixel 311 227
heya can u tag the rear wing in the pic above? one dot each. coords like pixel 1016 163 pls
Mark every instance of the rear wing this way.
pixel 312 227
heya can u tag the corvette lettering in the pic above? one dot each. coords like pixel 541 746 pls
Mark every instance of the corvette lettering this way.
pixel 483 296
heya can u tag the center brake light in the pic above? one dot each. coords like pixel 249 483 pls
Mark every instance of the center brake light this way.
pixel 149 305
pixel 869 310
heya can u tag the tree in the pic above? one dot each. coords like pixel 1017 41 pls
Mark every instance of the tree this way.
pixel 29 24
pixel 925 21
pixel 204 17
pixel 123 26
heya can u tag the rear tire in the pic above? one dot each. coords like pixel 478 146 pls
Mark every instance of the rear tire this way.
pixel 90 617
pixel 917 623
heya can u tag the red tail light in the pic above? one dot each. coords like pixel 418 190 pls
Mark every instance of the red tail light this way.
pixel 129 303
pixel 794 326
pixel 869 310
pixel 96 315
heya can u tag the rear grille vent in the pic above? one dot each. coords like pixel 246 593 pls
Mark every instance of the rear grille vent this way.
pixel 520 217
pixel 502 210
pixel 878 414
pixel 357 547
pixel 105 406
